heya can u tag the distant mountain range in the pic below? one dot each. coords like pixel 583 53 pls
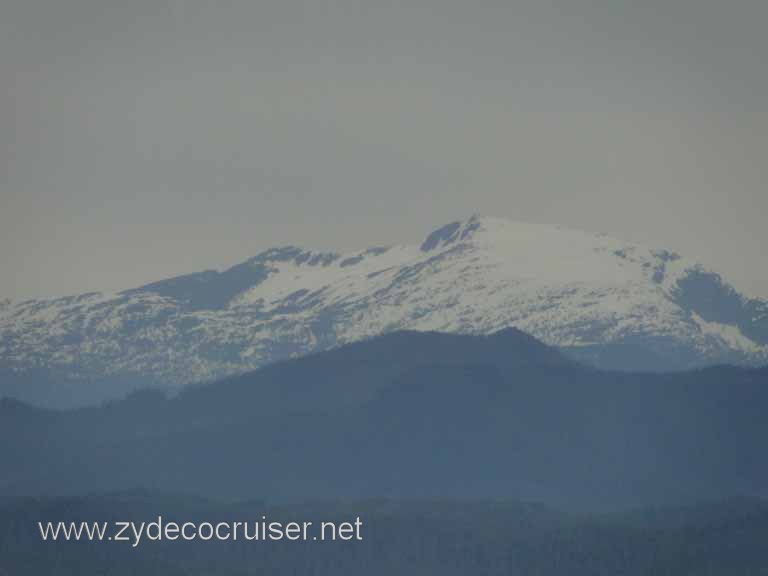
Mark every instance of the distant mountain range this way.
pixel 412 415
pixel 608 303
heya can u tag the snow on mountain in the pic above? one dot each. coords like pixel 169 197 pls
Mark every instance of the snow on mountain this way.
pixel 605 301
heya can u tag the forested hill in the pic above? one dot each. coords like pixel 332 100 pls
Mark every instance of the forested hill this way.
pixel 413 415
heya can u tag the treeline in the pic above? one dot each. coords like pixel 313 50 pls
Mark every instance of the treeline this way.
pixel 418 537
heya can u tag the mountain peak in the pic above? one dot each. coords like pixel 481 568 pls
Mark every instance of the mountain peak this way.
pixel 451 233
pixel 609 302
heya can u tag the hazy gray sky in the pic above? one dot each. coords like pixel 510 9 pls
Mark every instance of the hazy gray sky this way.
pixel 145 138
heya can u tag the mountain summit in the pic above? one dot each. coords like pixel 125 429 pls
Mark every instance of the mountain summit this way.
pixel 609 303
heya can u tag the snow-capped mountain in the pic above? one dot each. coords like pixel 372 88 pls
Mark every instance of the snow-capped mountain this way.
pixel 608 302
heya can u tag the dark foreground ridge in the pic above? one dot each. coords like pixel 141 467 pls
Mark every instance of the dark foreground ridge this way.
pixel 419 538
pixel 411 416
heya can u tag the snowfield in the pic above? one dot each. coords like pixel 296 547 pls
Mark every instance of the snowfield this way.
pixel 604 301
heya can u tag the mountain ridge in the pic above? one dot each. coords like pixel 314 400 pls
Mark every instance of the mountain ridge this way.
pixel 411 415
pixel 606 302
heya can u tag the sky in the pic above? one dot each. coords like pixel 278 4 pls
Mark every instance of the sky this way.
pixel 144 139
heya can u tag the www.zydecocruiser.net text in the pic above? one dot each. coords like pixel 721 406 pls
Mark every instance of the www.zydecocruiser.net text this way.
pixel 161 530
